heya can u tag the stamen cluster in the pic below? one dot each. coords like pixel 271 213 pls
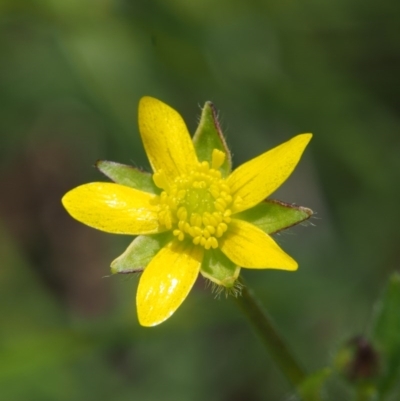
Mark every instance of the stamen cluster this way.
pixel 197 205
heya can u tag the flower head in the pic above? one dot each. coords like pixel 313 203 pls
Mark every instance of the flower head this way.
pixel 193 215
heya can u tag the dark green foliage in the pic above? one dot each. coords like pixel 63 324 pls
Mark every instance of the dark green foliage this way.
pixel 71 76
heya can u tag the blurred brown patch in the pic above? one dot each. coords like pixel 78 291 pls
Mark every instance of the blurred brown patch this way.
pixel 67 256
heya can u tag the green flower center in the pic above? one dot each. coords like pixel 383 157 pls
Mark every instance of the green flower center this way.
pixel 197 205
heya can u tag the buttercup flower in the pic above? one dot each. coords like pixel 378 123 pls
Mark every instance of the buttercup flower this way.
pixel 193 215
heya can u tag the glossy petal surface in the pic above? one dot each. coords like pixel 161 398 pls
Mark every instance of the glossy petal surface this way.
pixel 165 138
pixel 258 178
pixel 166 282
pixel 247 246
pixel 113 208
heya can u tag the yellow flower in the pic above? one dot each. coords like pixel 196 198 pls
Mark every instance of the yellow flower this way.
pixel 197 205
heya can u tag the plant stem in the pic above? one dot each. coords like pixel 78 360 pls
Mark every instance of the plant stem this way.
pixel 270 336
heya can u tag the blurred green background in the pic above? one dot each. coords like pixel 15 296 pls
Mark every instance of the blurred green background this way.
pixel 71 75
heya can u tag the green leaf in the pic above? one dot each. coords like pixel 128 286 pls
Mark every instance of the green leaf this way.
pixel 139 253
pixel 310 388
pixel 128 176
pixel 272 216
pixel 208 137
pixel 386 335
pixel 219 269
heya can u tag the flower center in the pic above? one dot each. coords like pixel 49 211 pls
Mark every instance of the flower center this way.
pixel 197 205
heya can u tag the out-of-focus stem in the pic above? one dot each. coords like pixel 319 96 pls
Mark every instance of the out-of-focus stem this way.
pixel 266 329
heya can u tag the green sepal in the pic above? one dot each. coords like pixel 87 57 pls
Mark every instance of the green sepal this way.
pixel 208 137
pixel 128 175
pixel 272 216
pixel 139 253
pixel 386 335
pixel 219 269
pixel 310 388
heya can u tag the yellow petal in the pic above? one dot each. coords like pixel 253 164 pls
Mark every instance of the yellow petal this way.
pixel 258 178
pixel 113 208
pixel 247 246
pixel 166 282
pixel 165 138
